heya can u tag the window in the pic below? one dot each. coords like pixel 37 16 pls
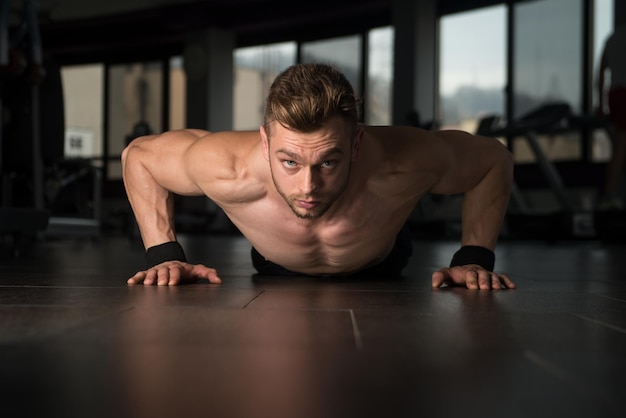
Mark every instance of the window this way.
pixel 178 88
pixel 601 147
pixel 472 67
pixel 547 68
pixel 255 69
pixel 135 107
pixel 548 48
pixel 344 53
pixel 378 104
pixel 83 96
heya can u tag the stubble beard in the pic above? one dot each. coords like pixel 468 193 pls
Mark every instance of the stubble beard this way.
pixel 323 205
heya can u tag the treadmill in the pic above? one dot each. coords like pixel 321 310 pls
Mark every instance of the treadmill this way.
pixel 523 221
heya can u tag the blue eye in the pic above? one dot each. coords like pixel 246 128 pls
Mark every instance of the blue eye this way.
pixel 329 164
pixel 289 163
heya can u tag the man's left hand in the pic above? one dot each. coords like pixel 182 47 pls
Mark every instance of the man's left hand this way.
pixel 472 276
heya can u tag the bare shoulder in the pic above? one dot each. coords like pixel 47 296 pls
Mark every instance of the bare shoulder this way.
pixel 226 142
pixel 405 146
pixel 423 144
pixel 227 165
pixel 407 160
pixel 393 137
pixel 195 149
pixel 196 162
pixel 429 158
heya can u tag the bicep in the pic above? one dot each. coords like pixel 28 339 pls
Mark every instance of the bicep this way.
pixel 167 159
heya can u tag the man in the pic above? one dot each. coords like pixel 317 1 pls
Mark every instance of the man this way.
pixel 316 193
pixel 614 60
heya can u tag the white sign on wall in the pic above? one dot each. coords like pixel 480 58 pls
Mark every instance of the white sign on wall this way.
pixel 79 142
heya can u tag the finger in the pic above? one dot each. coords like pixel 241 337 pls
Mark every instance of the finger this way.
pixel 484 279
pixel 148 277
pixel 213 277
pixel 471 279
pixel 438 278
pixel 495 281
pixel 153 276
pixel 507 281
pixel 163 276
pixel 137 278
pixel 200 271
pixel 174 276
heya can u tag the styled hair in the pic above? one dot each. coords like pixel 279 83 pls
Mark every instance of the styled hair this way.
pixel 305 96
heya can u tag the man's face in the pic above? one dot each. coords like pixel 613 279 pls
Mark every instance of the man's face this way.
pixel 310 170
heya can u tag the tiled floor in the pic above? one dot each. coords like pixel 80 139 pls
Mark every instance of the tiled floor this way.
pixel 76 341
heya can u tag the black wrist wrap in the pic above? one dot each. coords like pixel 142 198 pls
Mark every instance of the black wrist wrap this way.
pixel 164 252
pixel 473 254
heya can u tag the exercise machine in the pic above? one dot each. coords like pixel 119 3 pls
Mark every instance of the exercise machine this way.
pixel 567 219
pixel 609 224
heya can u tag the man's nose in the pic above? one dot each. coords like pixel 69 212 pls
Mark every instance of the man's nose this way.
pixel 310 181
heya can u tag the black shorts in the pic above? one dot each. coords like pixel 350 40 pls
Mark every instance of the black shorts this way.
pixel 392 265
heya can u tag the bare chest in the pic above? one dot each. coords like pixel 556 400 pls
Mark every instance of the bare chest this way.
pixel 361 234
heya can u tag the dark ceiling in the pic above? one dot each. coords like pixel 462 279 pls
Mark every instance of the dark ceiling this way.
pixel 116 30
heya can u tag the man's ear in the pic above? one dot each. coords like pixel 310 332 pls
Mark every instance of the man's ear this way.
pixel 356 146
pixel 265 143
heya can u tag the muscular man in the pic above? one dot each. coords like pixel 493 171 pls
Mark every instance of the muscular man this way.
pixel 315 192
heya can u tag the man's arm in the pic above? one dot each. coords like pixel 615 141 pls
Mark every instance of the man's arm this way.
pixel 153 168
pixel 482 169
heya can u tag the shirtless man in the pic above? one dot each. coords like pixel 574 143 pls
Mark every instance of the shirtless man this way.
pixel 315 192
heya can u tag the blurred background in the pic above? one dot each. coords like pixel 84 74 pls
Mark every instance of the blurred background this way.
pixel 79 80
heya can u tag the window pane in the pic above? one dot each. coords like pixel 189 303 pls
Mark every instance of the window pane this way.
pixel 603 26
pixel 255 69
pixel 472 67
pixel 548 47
pixel 177 94
pixel 135 100
pixel 547 68
pixel 344 53
pixel 380 71
pixel 83 96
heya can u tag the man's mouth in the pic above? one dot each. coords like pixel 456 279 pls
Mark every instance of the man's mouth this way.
pixel 306 204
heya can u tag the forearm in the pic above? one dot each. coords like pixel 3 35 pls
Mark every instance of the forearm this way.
pixel 151 203
pixel 485 205
pixel 155 218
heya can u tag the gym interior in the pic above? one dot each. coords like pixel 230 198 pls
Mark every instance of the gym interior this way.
pixel 80 80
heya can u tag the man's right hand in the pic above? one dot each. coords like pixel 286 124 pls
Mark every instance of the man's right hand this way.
pixel 172 273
